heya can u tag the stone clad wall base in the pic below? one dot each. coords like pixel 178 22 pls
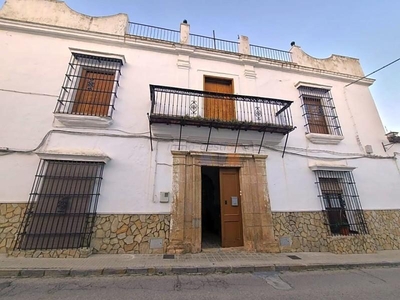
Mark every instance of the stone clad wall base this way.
pixel 354 244
pixel 384 227
pixel 307 232
pixel 10 219
pixel 59 253
pixel 131 234
pixel 301 231
pixel 150 233
pixel 138 233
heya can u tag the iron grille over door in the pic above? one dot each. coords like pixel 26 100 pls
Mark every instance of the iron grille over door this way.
pixel 62 205
pixel 341 203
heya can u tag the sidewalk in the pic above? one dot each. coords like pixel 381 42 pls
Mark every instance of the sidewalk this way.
pixel 201 263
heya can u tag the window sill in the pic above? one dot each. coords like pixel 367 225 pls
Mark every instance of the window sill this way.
pixel 74 155
pixel 318 138
pixel 83 121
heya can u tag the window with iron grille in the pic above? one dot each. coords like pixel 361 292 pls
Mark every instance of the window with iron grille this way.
pixel 62 205
pixel 90 86
pixel 341 203
pixel 319 111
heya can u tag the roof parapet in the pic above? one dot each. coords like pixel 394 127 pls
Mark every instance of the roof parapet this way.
pixel 57 13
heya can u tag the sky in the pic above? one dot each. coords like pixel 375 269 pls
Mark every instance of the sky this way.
pixel 365 29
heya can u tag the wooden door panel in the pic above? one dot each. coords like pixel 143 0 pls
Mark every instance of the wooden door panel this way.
pixel 94 93
pixel 215 108
pixel 231 236
pixel 315 115
pixel 231 215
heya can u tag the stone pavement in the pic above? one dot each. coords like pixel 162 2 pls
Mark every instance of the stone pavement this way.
pixel 202 263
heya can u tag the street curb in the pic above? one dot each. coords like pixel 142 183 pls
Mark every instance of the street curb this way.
pixel 183 270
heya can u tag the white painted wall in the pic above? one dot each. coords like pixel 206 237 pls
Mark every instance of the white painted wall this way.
pixel 31 80
pixel 54 12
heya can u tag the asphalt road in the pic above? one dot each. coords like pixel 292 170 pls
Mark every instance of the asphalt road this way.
pixel 363 284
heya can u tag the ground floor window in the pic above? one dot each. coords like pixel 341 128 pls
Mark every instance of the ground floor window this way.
pixel 341 203
pixel 62 205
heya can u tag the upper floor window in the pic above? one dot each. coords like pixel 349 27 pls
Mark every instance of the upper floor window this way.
pixel 319 111
pixel 90 86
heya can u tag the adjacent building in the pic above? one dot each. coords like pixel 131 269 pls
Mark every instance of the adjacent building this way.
pixel 119 137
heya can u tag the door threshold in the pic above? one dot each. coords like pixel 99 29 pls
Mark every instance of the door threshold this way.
pixel 227 249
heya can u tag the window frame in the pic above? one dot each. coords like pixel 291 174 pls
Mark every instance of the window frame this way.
pixel 47 226
pixel 327 108
pixel 346 218
pixel 80 62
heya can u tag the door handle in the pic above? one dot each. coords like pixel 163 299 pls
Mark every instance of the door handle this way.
pixel 226 202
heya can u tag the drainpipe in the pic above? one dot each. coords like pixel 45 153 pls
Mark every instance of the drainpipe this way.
pixel 152 190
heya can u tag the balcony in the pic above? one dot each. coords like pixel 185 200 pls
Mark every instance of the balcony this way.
pixel 206 42
pixel 170 105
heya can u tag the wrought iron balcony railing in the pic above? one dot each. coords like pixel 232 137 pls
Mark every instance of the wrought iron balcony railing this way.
pixel 153 32
pixel 270 53
pixel 202 108
pixel 205 42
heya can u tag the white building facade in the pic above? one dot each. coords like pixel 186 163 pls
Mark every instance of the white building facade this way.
pixel 118 137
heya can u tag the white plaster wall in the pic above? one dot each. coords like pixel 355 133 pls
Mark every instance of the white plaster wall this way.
pixel 135 176
pixel 292 185
pixel 378 183
pixel 334 63
pixel 53 12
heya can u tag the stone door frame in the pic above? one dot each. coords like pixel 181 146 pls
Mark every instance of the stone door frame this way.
pixel 185 230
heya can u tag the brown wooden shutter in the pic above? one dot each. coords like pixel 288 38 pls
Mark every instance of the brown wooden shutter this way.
pixel 315 115
pixel 94 93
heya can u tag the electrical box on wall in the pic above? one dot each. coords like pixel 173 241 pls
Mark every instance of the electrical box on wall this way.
pixel 164 197
pixel 368 149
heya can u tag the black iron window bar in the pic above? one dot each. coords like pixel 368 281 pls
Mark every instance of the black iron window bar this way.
pixel 62 206
pixel 202 108
pixel 319 111
pixel 341 203
pixel 90 86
